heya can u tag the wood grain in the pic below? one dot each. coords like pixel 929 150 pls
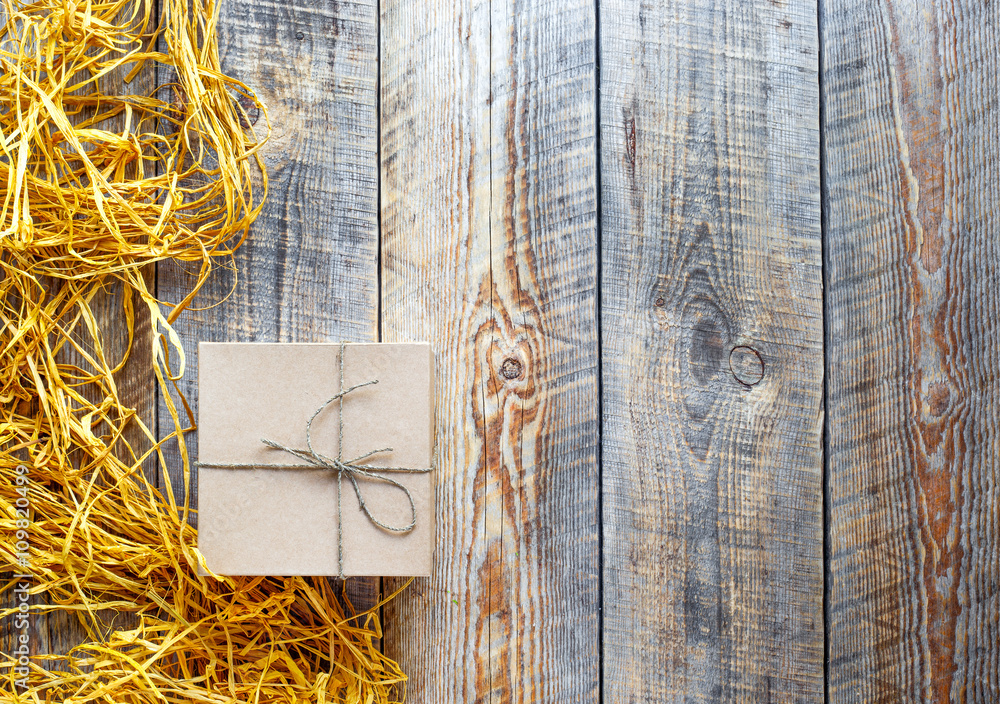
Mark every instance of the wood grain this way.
pixel 712 352
pixel 307 272
pixel 913 239
pixel 489 251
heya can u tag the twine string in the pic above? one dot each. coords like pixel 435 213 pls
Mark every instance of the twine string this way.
pixel 354 469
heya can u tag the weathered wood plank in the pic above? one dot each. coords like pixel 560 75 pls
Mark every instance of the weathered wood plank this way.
pixel 58 632
pixel 712 352
pixel 913 238
pixel 307 272
pixel 489 251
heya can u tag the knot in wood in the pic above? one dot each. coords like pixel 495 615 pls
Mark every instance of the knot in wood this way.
pixel 746 365
pixel 511 368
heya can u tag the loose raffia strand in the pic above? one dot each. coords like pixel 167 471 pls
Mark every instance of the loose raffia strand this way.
pixel 353 469
pixel 95 186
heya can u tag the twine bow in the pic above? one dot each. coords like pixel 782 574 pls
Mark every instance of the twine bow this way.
pixel 354 469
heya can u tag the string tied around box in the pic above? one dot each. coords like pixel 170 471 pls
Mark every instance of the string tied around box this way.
pixel 353 469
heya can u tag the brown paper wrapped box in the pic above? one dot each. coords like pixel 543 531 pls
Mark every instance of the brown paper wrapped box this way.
pixel 269 520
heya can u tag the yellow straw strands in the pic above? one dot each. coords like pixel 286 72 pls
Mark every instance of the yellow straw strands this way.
pixel 96 186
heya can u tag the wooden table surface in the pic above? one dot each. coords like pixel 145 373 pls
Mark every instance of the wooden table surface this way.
pixel 651 242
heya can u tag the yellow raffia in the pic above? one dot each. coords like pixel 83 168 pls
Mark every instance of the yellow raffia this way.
pixel 97 187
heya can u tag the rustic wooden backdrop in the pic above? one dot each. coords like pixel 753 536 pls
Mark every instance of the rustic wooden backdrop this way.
pixel 714 292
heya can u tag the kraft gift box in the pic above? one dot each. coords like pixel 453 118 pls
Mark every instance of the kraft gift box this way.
pixel 256 517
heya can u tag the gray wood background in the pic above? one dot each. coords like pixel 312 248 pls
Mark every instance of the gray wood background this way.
pixel 912 145
pixel 714 295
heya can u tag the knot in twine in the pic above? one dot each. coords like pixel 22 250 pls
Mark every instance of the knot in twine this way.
pixel 353 469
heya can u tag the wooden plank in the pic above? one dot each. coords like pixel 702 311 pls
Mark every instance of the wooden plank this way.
pixel 307 272
pixel 712 352
pixel 489 251
pixel 913 236
pixel 59 631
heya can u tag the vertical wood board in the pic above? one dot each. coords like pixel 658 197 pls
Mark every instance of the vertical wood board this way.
pixel 57 632
pixel 712 352
pixel 489 251
pixel 912 114
pixel 308 269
